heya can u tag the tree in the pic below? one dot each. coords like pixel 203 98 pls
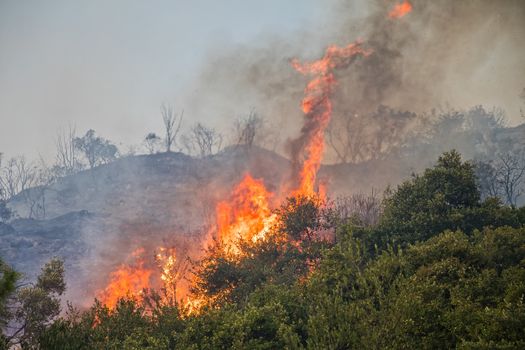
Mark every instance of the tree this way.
pixel 455 292
pixel 247 129
pixel 488 182
pixel 151 141
pixel 356 138
pixel 202 140
pixel 16 176
pixel 511 173
pixel 29 180
pixel 445 197
pixel 171 130
pixel 35 196
pixel 366 209
pixel 66 159
pixel 255 130
pixel 33 307
pixel 503 177
pixel 97 150
pixel 8 278
pixel 430 203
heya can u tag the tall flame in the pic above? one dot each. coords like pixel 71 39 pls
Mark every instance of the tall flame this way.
pixel 246 216
pixel 400 9
pixel 317 107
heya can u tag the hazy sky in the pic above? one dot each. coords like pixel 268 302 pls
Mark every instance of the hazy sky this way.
pixel 108 65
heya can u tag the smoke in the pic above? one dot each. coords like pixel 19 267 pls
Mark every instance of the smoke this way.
pixel 458 53
pixel 441 52
pixel 461 53
pixel 447 52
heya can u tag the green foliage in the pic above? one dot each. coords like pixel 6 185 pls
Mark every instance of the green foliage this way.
pixel 254 327
pixel 129 326
pixel 445 197
pixel 452 291
pixel 8 279
pixel 432 202
pixel 299 217
pixel 27 311
pixel 39 304
pixel 442 269
pixel 273 261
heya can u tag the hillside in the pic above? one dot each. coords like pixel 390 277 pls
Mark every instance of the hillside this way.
pixel 96 218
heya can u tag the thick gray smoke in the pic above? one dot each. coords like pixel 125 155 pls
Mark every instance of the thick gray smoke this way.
pixel 443 53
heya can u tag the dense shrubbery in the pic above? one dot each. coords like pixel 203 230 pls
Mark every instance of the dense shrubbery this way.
pixel 441 269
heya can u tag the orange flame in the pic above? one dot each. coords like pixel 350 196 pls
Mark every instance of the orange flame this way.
pixel 126 281
pixel 317 107
pixel 400 9
pixel 246 216
pixel 170 275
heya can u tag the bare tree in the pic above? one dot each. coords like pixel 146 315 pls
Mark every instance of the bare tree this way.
pixel 172 124
pixel 151 141
pixel 339 138
pixel 488 181
pixel 202 140
pixel 16 176
pixel 255 130
pixel 67 160
pixel 356 138
pixel 35 196
pixel 511 173
pixel 19 177
pixel 365 208
pixel 246 129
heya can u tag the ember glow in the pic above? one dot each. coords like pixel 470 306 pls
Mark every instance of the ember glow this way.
pixel 400 10
pixel 127 281
pixel 317 107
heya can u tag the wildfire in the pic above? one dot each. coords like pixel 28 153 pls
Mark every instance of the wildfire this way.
pixel 400 9
pixel 317 107
pixel 246 216
pixel 127 281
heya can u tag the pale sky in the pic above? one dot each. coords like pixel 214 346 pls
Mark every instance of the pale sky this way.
pixel 108 65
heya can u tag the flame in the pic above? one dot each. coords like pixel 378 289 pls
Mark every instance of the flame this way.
pixel 126 281
pixel 245 217
pixel 400 9
pixel 167 260
pixel 193 306
pixel 317 107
